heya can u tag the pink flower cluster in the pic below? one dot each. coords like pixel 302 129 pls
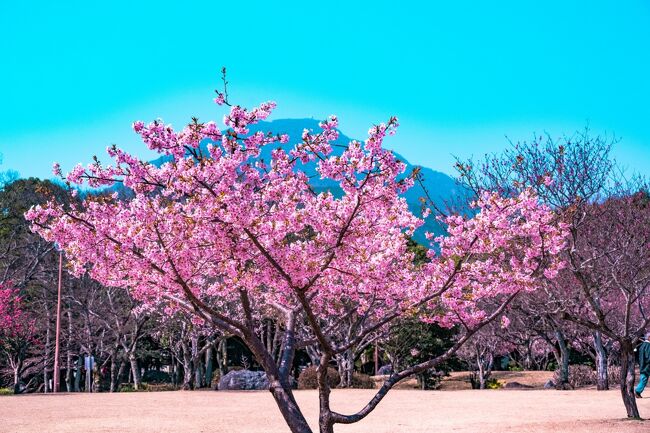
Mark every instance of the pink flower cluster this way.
pixel 224 223
pixel 14 321
pixel 504 248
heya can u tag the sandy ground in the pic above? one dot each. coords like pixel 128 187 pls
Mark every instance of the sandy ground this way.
pixel 584 411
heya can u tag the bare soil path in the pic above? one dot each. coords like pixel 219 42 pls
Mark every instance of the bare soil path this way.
pixel 403 411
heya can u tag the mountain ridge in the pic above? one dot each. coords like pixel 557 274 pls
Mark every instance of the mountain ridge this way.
pixel 440 187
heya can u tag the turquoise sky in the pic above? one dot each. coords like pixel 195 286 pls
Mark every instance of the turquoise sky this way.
pixel 460 75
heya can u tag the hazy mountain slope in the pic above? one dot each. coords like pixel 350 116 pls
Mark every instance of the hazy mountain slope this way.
pixel 440 186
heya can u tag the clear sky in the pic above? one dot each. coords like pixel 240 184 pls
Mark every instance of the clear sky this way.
pixel 460 75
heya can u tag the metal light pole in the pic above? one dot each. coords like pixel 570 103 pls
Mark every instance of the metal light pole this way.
pixel 58 326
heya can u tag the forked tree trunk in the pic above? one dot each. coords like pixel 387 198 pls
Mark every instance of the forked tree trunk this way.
pixel 314 355
pixel 17 368
pixel 528 360
pixel 602 381
pixel 627 379
pixel 485 364
pixel 345 364
pixel 279 384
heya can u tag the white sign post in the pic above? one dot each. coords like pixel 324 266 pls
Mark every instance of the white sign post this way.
pixel 89 362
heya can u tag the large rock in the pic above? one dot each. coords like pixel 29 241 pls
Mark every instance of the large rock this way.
pixel 385 370
pixel 244 379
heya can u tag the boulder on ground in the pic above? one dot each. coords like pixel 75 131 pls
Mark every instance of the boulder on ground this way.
pixel 549 385
pixel 244 380
pixel 385 370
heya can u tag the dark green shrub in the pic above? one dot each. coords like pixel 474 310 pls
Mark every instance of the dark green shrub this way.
pixel 430 379
pixel 492 383
pixel 128 387
pixel 156 387
pixel 154 376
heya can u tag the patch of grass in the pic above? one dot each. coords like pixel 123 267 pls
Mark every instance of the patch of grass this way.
pixel 494 384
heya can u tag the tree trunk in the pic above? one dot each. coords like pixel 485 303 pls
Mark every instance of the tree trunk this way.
pixel 113 386
pixel 46 358
pixel 17 369
pixel 563 361
pixel 120 372
pixel 325 422
pixel 481 373
pixel 269 337
pixel 222 357
pixel 135 370
pixel 627 379
pixel 208 366
pixel 485 364
pixel 114 372
pixel 188 376
pixel 77 375
pixel 602 381
pixel 199 375
pixel 314 355
pixel 68 371
pixel 68 356
pixel 345 364
pixel 528 360
pixel 289 408
pixel 279 384
pixel 174 371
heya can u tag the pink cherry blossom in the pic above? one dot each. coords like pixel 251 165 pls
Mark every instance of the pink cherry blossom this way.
pixel 232 240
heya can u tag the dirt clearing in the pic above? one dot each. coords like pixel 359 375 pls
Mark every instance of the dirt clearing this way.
pixel 403 411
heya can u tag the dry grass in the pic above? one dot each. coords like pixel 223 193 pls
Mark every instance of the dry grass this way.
pixel 459 380
pixel 584 411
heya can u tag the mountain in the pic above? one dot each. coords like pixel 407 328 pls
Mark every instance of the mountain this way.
pixel 441 187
